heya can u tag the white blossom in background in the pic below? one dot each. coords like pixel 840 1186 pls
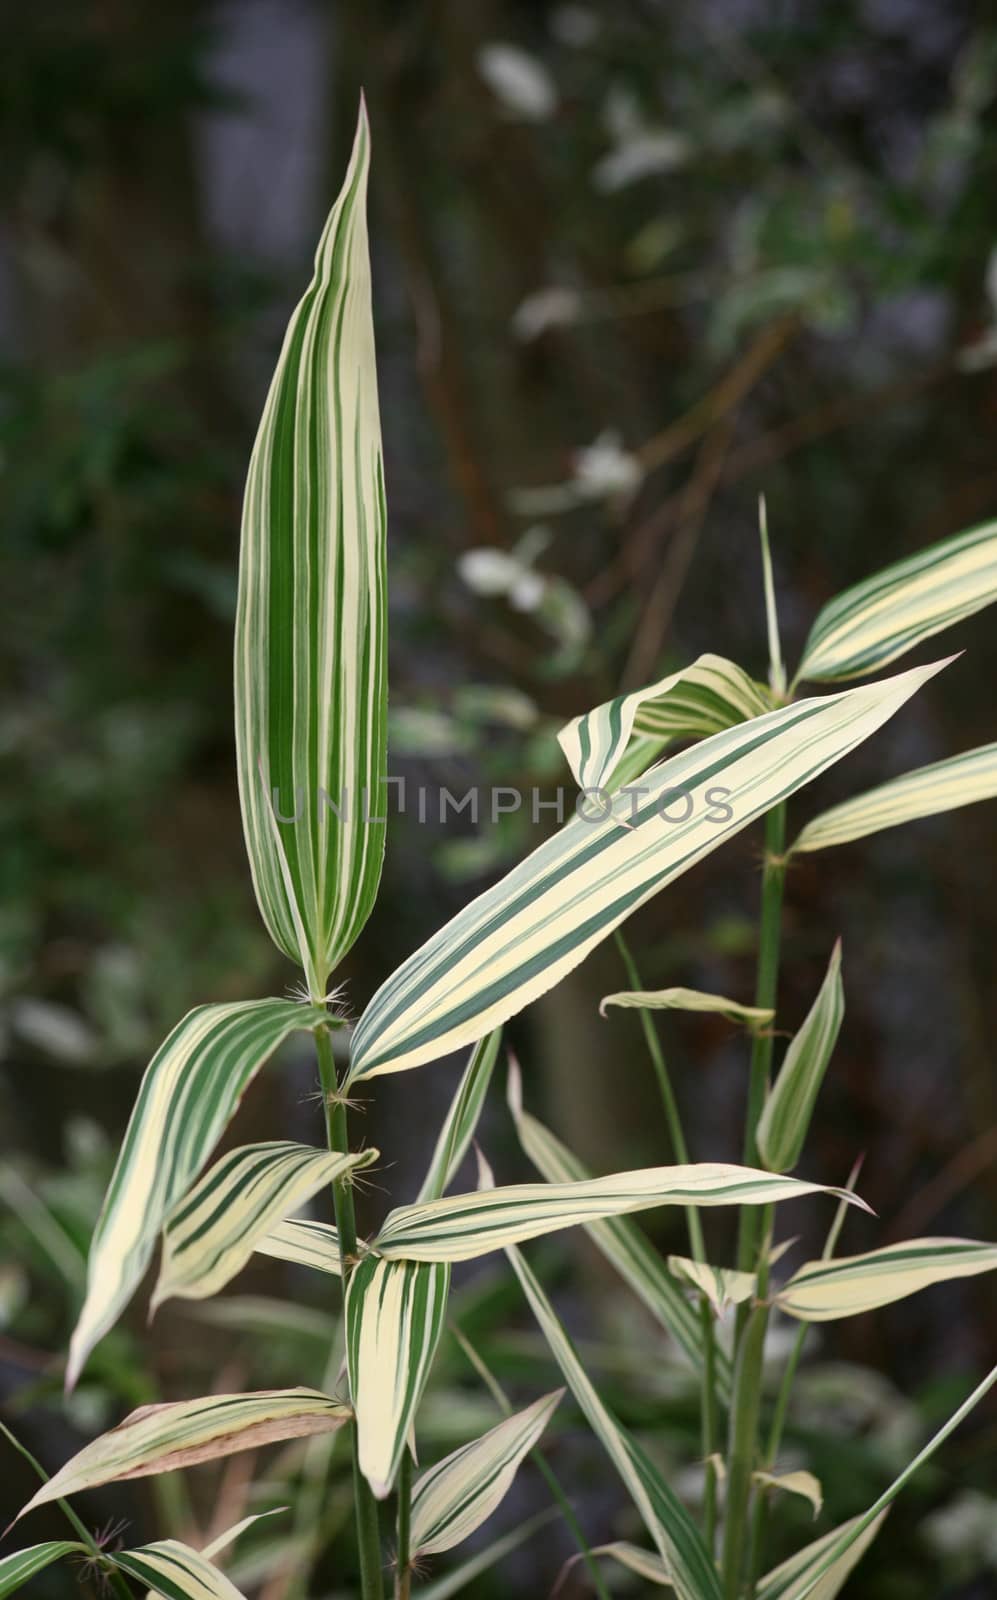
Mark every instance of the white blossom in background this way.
pixel 554 307
pixel 605 471
pixel 521 83
pixel 640 149
pixel 966 1529
pixel 556 605
pixel 574 25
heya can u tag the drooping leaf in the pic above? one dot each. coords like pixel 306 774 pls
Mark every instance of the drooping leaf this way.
pixel 175 1571
pixel 519 938
pixel 454 1498
pixel 621 1241
pixel 801 1483
pixel 189 1093
pixel 703 698
pixel 162 1438
pixel 17 1568
pixel 688 1000
pixel 310 645
pixel 824 1290
pixel 927 791
pixel 788 1580
pixel 789 1106
pixel 395 1313
pixel 632 1557
pixel 212 1233
pixel 306 1243
pixel 873 623
pixel 462 1118
pixel 722 1286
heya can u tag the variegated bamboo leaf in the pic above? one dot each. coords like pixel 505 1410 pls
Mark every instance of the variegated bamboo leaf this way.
pixel 189 1093
pixel 454 1498
pixel 212 1233
pixel 631 1557
pixel 873 623
pixel 519 938
pixel 703 698
pixel 822 1291
pixel 463 1226
pixel 722 1286
pixel 789 1106
pixel 926 792
pixel 303 1242
pixel 788 1580
pixel 462 1118
pixel 801 1483
pixel 395 1312
pixel 184 1433
pixel 175 1571
pixel 688 1000
pixel 457 1580
pixel 310 646
pixel 621 1241
pixel 18 1568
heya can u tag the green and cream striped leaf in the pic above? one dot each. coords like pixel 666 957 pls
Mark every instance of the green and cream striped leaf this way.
pixel 871 624
pixel 395 1313
pixel 303 1242
pixel 189 1094
pixel 458 1579
pixel 722 1286
pixel 620 1239
pixel 810 1582
pixel 631 1557
pixel 822 1291
pixel 184 1433
pixel 789 1106
pixel 944 786
pixel 454 1498
pixel 462 1118
pixel 801 1483
pixel 212 1233
pixel 688 1000
pixel 310 637
pixel 461 1227
pixel 519 938
pixel 703 698
pixel 175 1571
pixel 787 1581
pixel 18 1568
pixel 675 1535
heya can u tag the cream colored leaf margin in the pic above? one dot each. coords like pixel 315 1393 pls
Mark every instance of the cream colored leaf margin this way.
pixel 926 792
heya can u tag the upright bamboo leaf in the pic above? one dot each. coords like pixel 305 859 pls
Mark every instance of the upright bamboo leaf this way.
pixel 454 1498
pixel 789 1107
pixel 184 1433
pixel 212 1233
pixel 703 698
pixel 787 1581
pixel 873 623
pixel 189 1093
pixel 456 1581
pixel 944 786
pixel 18 1568
pixel 519 938
pixel 688 1000
pixel 821 1291
pixel 621 1241
pixel 395 1312
pixel 310 650
pixel 462 1118
pixel 176 1572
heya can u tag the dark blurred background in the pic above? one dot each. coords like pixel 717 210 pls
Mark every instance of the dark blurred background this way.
pixel 634 263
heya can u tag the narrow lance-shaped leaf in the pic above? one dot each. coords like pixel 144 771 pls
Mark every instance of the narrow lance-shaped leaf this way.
pixel 212 1233
pixel 703 698
pixel 789 1106
pixel 926 792
pixel 303 1242
pixel 395 1314
pixel 621 1241
pixel 189 1094
pixel 519 938
pixel 184 1433
pixel 459 1578
pixel 822 1291
pixel 787 1581
pixel 310 646
pixel 688 1000
pixel 18 1568
pixel 463 1226
pixel 462 1118
pixel 175 1571
pixel 454 1498
pixel 873 623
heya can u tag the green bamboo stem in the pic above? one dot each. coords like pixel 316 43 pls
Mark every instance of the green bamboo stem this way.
pixel 711 1430
pixel 743 1436
pixel 337 1133
pixel 679 1147
pixel 403 1571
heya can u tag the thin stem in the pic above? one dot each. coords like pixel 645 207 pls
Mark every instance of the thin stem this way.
pixel 711 1430
pixel 670 1104
pixel 745 1410
pixel 403 1574
pixel 337 1133
pixel 116 1577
